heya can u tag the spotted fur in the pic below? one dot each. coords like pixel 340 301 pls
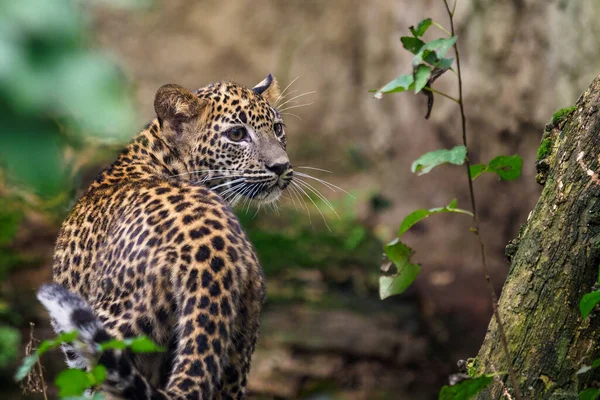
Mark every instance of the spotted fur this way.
pixel 153 248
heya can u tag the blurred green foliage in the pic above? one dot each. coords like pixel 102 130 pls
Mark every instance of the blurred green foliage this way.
pixel 308 264
pixel 10 219
pixel 54 91
pixel 297 240
pixel 10 340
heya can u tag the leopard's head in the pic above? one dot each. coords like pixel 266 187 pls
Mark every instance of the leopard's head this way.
pixel 230 137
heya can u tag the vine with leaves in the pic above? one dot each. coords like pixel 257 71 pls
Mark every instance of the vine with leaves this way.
pixel 399 272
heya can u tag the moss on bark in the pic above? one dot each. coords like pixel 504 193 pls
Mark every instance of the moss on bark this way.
pixel 555 262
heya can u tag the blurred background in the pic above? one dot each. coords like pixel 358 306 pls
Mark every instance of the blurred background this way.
pixel 77 81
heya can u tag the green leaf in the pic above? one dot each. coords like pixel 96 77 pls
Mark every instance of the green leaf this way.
pixel 586 368
pixel 73 382
pixel 583 369
pixel 466 389
pixel 421 27
pixel 419 215
pixel 588 302
pixel 143 344
pixel 589 394
pixel 95 396
pixel 508 168
pixel 412 44
pixel 428 56
pixel 440 46
pixel 421 77
pixel 428 161
pixel 399 254
pixel 46 345
pixel 445 63
pixel 433 52
pixel 114 344
pixel 400 84
pixel 99 374
pixel 140 344
pixel 476 170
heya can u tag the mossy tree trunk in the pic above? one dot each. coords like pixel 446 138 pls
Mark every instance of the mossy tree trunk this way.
pixel 555 261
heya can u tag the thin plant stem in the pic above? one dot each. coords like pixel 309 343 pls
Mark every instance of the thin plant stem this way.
pixel 44 389
pixel 39 364
pixel 441 28
pixel 432 90
pixel 492 292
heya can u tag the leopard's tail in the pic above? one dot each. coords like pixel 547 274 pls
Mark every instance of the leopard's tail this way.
pixel 69 312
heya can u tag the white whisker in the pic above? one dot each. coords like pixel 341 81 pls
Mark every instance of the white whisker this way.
pixel 292 114
pixel 206 170
pixel 244 192
pixel 319 195
pixel 286 88
pixel 232 191
pixel 317 169
pixel 291 92
pixel 296 106
pixel 249 196
pixel 310 198
pixel 254 193
pixel 219 177
pixel 244 198
pixel 293 201
pixel 229 183
pixel 301 201
pixel 257 210
pixel 237 197
pixel 296 97
pixel 329 185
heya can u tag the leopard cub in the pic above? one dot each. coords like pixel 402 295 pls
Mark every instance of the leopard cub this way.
pixel 154 249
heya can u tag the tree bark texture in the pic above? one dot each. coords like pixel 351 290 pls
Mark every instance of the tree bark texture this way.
pixel 555 261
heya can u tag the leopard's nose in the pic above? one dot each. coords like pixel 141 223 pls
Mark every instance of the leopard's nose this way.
pixel 279 169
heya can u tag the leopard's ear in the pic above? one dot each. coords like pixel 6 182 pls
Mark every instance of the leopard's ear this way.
pixel 268 89
pixel 176 102
pixel 176 107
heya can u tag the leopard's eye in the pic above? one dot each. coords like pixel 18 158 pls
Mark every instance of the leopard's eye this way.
pixel 237 134
pixel 278 128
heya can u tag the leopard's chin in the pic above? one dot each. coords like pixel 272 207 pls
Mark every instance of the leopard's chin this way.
pixel 269 196
pixel 266 197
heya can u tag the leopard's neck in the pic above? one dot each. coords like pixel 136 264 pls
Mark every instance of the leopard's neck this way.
pixel 147 157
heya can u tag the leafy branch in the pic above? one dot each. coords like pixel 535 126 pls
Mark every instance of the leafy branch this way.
pixel 477 230
pixel 72 383
pixel 428 64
